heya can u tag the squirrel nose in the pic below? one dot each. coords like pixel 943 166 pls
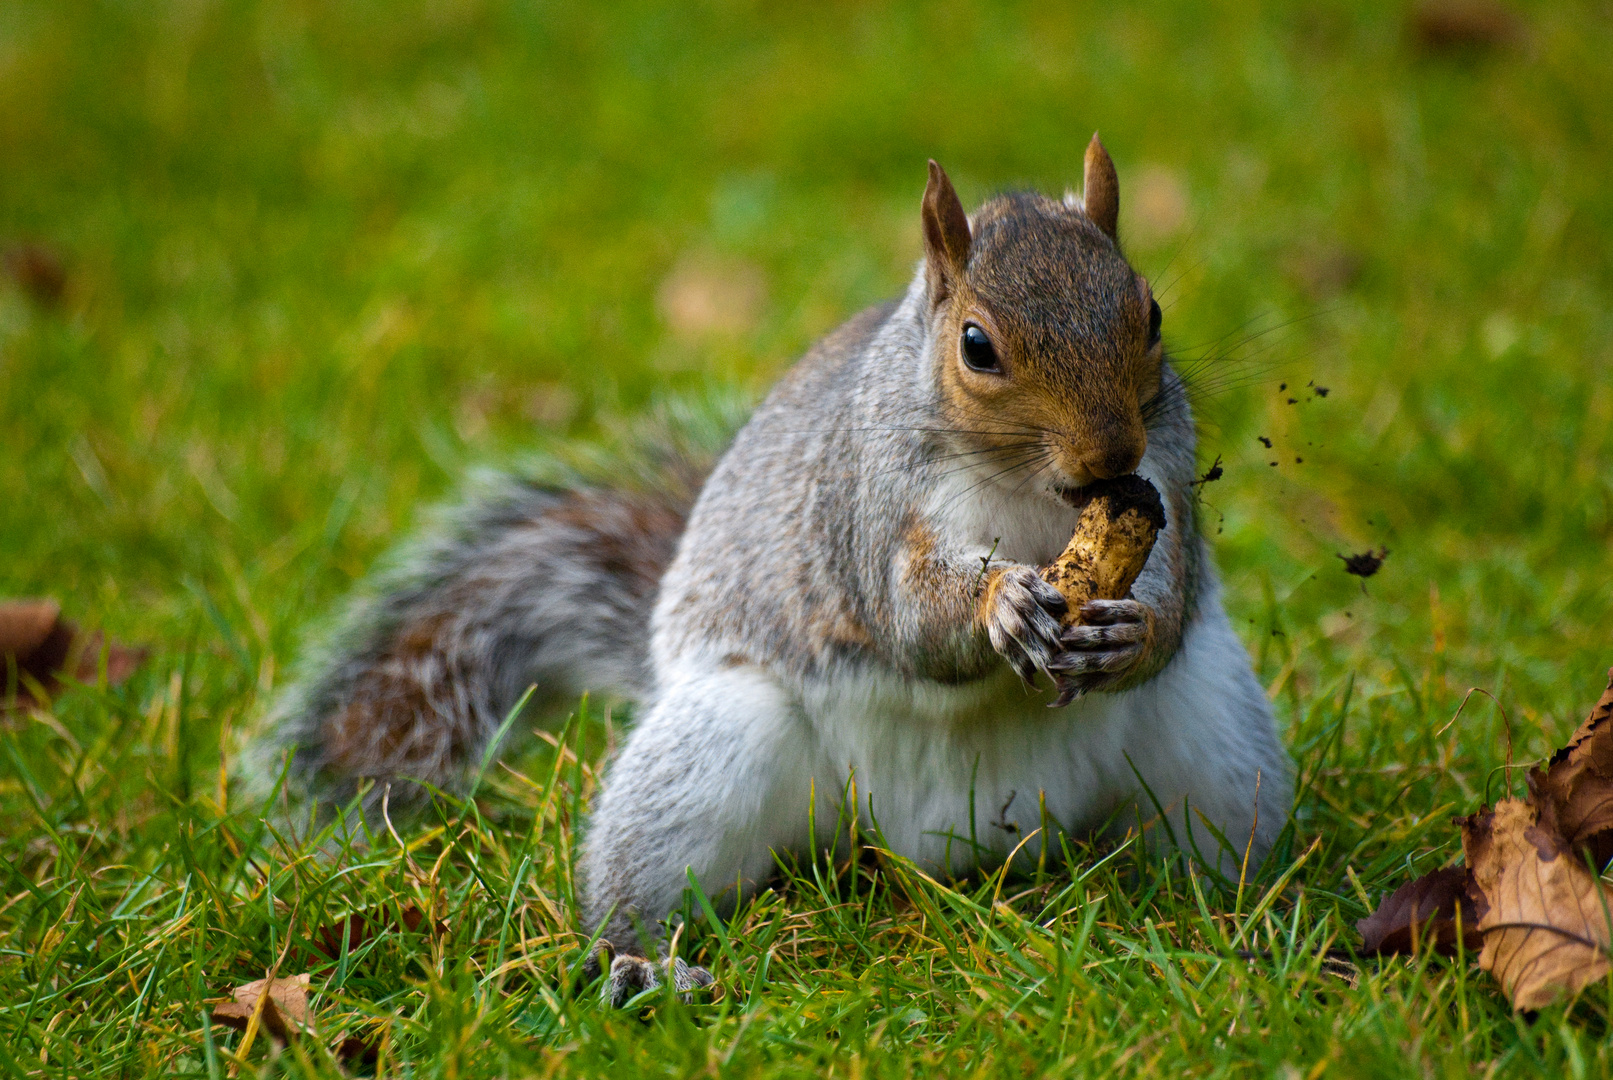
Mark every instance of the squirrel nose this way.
pixel 1115 460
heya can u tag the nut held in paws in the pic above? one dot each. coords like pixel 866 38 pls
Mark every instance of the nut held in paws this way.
pixel 1112 540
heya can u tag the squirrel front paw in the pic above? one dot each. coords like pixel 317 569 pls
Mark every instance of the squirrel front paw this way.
pixel 1022 614
pixel 632 975
pixel 1108 643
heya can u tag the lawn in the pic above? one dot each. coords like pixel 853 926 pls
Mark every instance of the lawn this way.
pixel 320 260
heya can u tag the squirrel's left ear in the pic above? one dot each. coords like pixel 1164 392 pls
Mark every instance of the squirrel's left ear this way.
pixel 946 235
pixel 1100 189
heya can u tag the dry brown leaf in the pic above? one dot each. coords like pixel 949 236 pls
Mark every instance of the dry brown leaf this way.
pixel 1577 783
pixel 24 624
pixel 38 271
pixel 1546 918
pixel 361 926
pixel 1453 26
pixel 357 1051
pixel 1418 910
pixel 285 1014
pixel 1531 886
pixel 44 646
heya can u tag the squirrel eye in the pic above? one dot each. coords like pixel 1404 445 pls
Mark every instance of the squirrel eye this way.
pixel 1153 323
pixel 977 350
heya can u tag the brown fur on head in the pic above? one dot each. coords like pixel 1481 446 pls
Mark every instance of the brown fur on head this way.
pixel 1069 324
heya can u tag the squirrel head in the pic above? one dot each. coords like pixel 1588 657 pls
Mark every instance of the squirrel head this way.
pixel 1043 335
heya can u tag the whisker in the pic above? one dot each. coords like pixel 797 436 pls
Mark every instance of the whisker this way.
pixel 972 488
pixel 1164 290
pixel 1038 471
pixel 1024 451
pixel 1180 246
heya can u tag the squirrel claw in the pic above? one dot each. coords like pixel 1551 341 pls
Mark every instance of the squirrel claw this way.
pixel 1023 621
pixel 632 975
pixel 1068 690
pixel 1025 670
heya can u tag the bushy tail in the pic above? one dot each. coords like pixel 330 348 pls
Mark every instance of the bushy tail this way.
pixel 547 579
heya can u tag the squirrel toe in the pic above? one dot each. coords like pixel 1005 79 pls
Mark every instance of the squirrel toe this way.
pixel 632 975
pixel 1024 622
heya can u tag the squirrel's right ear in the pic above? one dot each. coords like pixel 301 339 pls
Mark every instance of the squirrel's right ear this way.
pixel 946 235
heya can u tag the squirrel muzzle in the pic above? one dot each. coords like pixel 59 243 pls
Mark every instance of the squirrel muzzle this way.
pixel 1107 450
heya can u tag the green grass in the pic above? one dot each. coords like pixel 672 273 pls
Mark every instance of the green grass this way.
pixel 323 258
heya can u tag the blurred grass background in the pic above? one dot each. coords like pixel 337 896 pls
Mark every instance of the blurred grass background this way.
pixel 277 274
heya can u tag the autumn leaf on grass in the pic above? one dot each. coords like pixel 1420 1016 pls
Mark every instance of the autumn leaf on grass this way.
pixel 286 1016
pixel 1578 783
pixel 361 927
pixel 1457 26
pixel 38 271
pixel 1547 919
pixel 1531 885
pixel 44 646
pixel 359 1051
pixel 1420 910
pixel 285 1013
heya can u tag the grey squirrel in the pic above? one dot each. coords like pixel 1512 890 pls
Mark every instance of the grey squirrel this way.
pixel 852 590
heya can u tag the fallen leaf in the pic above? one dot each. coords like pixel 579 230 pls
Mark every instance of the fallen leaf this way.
pixel 285 1013
pixel 38 271
pixel 1453 26
pixel 1546 918
pixel 25 624
pixel 1419 910
pixel 1531 887
pixel 356 1051
pixel 362 926
pixel 44 646
pixel 1578 783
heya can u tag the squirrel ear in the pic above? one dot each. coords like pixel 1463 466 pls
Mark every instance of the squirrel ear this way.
pixel 946 234
pixel 1100 189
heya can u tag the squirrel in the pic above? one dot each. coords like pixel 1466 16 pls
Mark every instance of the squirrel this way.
pixel 849 590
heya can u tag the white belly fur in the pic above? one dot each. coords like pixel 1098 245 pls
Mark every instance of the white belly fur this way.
pixel 1197 733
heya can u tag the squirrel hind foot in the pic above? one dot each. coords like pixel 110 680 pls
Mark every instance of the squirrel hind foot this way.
pixel 632 975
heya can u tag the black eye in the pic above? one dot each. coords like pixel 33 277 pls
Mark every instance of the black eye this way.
pixel 1153 323
pixel 977 350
